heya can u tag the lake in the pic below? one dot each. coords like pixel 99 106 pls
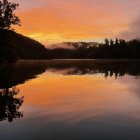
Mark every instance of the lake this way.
pixel 70 100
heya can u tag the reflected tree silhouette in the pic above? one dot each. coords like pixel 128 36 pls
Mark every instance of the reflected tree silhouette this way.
pixel 10 105
pixel 19 73
pixel 13 74
pixel 107 68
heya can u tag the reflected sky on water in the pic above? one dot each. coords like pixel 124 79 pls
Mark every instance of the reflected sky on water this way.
pixel 72 100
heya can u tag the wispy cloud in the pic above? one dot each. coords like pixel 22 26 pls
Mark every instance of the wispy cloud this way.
pixel 77 19
pixel 134 30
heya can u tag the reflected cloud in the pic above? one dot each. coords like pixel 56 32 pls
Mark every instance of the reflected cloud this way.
pixel 68 99
pixel 23 71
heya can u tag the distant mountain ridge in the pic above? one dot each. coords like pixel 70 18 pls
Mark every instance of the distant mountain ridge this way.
pixel 14 46
pixel 72 45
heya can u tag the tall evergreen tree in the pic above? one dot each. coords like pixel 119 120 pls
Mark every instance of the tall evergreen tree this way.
pixel 111 42
pixel 106 42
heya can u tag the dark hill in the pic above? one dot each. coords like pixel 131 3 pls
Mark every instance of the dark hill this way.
pixel 14 46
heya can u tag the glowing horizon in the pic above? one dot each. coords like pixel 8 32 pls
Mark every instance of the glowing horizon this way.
pixel 79 20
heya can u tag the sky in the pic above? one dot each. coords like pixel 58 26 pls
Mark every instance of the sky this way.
pixel 50 21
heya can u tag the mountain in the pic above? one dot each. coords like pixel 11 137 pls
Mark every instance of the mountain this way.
pixel 72 45
pixel 14 46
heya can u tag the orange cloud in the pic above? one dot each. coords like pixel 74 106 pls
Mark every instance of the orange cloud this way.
pixel 72 20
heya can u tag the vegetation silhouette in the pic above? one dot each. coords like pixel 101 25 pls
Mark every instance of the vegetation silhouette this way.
pixel 20 72
pixel 13 74
pixel 110 49
pixel 14 46
pixel 7 15
pixel 108 68
pixel 9 104
pixel 25 70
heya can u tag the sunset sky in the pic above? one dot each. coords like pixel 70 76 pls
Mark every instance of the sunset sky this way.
pixel 79 20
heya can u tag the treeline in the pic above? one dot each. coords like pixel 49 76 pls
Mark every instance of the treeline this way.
pixel 110 49
pixel 14 46
pixel 26 70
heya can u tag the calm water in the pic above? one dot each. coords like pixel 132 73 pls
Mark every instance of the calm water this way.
pixel 70 100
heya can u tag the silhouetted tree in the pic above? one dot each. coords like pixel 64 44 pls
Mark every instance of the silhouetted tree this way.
pixel 106 42
pixel 117 42
pixel 7 15
pixel 122 42
pixel 111 42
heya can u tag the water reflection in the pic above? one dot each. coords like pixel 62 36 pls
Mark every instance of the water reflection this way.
pixel 108 68
pixel 18 73
pixel 11 75
pixel 9 104
pixel 71 99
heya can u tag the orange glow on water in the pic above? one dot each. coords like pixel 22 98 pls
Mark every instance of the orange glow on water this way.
pixel 77 96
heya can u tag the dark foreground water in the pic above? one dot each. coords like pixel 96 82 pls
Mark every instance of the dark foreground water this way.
pixel 70 100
